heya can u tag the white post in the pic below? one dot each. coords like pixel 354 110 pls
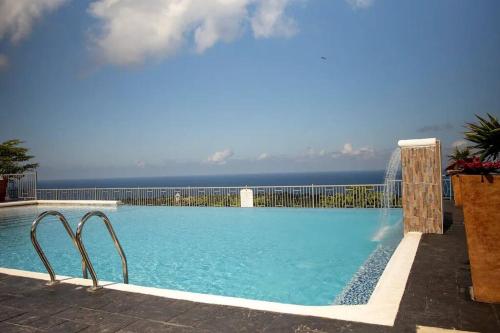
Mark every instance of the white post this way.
pixel 246 197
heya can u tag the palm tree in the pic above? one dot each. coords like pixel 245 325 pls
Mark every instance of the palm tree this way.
pixel 486 137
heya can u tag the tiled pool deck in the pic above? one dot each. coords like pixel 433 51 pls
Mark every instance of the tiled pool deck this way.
pixel 436 295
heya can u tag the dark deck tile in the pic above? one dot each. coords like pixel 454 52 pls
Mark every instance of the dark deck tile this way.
pixel 70 295
pixel 38 305
pixel 68 327
pixel 150 307
pixel 4 276
pixel 14 285
pixel 496 311
pixel 13 328
pixel 201 313
pixel 291 323
pixel 437 289
pixel 4 297
pixel 119 301
pixel 36 321
pixel 410 319
pixel 100 320
pixel 8 313
pixel 225 318
pixel 479 318
pixel 149 326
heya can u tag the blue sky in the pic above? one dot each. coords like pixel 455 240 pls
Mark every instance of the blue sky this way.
pixel 145 88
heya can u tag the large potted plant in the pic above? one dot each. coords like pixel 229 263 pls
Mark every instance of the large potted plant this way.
pixel 13 160
pixel 453 169
pixel 480 190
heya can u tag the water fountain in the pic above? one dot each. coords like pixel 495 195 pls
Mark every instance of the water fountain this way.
pixel 422 190
pixel 422 197
pixel 388 194
pixel 387 236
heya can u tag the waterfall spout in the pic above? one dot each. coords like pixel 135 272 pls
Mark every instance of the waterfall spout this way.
pixel 388 194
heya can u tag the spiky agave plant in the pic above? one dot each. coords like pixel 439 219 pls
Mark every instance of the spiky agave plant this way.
pixel 459 154
pixel 486 137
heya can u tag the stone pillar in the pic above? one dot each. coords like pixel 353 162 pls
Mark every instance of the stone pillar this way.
pixel 422 185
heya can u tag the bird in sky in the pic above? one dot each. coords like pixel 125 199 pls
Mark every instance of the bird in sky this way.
pixel 324 58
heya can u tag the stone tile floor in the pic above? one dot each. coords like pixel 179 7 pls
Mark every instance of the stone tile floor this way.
pixel 437 291
pixel 436 295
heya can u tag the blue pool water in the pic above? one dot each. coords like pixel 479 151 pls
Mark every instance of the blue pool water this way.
pixel 297 256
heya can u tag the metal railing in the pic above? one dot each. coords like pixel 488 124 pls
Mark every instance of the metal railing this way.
pixel 85 256
pixel 39 250
pixel 307 196
pixel 447 189
pixel 20 186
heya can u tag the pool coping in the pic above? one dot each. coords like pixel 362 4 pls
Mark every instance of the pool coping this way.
pixel 381 308
pixel 100 203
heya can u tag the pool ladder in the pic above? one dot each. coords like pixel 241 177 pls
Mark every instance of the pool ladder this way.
pixel 77 241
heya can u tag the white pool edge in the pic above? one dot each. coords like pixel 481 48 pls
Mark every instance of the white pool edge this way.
pixel 99 203
pixel 381 309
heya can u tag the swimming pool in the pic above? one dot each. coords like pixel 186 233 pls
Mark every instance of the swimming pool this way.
pixel 294 256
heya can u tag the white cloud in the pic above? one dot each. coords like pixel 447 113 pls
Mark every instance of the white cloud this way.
pixel 18 16
pixel 132 31
pixel 360 4
pixel 4 62
pixel 263 156
pixel 269 20
pixel 348 150
pixel 220 157
pixel 459 143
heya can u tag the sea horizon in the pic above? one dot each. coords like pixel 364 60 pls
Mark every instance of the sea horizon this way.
pixel 248 179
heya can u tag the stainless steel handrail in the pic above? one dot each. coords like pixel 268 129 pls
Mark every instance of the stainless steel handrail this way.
pixel 85 255
pixel 39 250
pixel 307 196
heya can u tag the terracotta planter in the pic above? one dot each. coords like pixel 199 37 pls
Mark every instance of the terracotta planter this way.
pixel 457 192
pixel 481 206
pixel 3 189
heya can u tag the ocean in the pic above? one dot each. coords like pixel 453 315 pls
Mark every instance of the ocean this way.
pixel 280 179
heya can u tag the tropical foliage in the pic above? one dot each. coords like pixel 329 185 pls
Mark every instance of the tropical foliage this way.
pixel 14 158
pixel 485 135
pixel 482 156
pixel 459 154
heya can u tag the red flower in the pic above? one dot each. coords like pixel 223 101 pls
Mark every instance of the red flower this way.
pixel 476 166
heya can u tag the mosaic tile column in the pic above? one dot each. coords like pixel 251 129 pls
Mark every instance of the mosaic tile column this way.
pixel 422 185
